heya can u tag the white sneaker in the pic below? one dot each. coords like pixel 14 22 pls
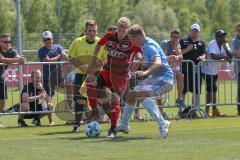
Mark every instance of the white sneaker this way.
pixel 164 129
pixel 1 126
pixel 51 123
pixel 119 128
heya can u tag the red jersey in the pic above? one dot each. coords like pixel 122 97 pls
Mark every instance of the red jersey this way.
pixel 120 53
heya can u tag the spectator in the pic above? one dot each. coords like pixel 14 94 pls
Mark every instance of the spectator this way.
pixel 31 93
pixel 217 49
pixel 8 55
pixel 236 55
pixel 172 50
pixel 80 55
pixel 52 75
pixel 192 49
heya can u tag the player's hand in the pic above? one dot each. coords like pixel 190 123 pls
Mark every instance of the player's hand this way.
pixel 83 68
pixel 64 56
pixel 21 60
pixel 172 58
pixel 140 74
pixel 190 47
pixel 201 58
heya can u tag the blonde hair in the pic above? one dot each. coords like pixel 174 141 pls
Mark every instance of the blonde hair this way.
pixel 124 22
pixel 136 30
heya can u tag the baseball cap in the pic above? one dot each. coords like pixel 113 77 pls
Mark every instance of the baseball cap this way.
pixel 195 26
pixel 220 33
pixel 47 34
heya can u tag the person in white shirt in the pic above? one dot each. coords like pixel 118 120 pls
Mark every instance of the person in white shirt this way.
pixel 218 49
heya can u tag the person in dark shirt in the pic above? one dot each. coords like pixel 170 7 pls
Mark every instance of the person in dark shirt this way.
pixel 8 55
pixel 31 94
pixel 192 49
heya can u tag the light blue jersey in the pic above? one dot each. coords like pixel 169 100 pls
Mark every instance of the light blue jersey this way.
pixel 151 49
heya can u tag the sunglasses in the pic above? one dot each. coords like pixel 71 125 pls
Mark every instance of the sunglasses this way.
pixel 6 42
pixel 175 37
pixel 47 39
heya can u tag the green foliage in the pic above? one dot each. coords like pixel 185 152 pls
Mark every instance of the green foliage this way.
pixel 66 18
pixel 7 16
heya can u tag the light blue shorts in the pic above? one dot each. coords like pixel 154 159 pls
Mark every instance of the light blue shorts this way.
pixel 156 86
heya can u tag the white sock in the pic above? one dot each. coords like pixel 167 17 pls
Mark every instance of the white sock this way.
pixel 153 111
pixel 126 115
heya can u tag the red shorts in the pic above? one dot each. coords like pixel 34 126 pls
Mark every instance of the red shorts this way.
pixel 117 83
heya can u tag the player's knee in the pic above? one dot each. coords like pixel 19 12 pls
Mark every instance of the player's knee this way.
pixel 24 107
pixel 179 76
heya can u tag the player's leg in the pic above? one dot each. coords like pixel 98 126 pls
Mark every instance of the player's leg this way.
pixel 3 96
pixel 24 107
pixel 180 86
pixel 79 101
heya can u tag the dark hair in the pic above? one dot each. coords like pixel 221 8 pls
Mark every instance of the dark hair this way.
pixel 176 31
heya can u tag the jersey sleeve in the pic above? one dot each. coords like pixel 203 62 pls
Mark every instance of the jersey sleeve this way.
pixel 163 45
pixel 42 54
pixel 104 39
pixel 72 48
pixel 182 45
pixel 152 51
pixel 60 49
pixel 24 89
pixel 211 49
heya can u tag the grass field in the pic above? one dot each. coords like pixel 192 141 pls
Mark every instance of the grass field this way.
pixel 202 139
pixel 198 139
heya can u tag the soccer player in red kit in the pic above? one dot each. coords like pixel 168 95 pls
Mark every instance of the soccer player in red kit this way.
pixel 115 74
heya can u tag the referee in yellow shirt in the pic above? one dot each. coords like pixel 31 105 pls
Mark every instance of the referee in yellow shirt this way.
pixel 80 55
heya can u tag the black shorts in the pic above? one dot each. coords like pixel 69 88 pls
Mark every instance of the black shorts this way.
pixel 188 83
pixel 33 108
pixel 211 82
pixel 3 89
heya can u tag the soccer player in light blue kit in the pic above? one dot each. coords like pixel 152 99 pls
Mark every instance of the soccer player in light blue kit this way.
pixel 159 81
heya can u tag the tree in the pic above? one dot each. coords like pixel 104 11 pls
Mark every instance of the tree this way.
pixel 156 21
pixel 8 16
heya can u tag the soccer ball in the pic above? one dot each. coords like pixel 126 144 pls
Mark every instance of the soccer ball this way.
pixel 93 129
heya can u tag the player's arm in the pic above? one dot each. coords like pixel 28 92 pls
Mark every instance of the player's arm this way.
pixel 16 59
pixel 219 57
pixel 136 65
pixel 156 65
pixel 26 99
pixel 94 62
pixel 53 59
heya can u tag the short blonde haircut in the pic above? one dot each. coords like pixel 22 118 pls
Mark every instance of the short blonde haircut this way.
pixel 136 30
pixel 124 22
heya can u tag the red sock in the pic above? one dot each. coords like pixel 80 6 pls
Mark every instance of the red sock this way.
pixel 114 115
pixel 92 95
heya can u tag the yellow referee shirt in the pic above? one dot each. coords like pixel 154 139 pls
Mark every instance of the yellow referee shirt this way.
pixel 83 51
